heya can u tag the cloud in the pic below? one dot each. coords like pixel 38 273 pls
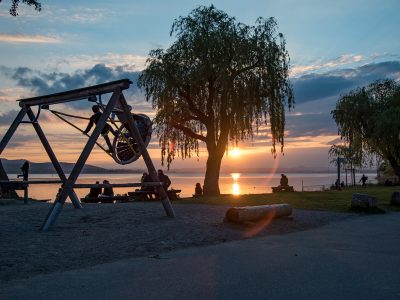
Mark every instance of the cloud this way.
pixel 22 38
pixel 310 125
pixel 82 15
pixel 336 82
pixel 40 83
pixel 8 117
pixel 47 83
pixel 339 61
pixel 112 60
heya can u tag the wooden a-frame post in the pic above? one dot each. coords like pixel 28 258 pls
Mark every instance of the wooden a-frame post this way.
pixel 117 99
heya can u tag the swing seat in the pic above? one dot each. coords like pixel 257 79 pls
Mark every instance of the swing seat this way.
pixel 126 149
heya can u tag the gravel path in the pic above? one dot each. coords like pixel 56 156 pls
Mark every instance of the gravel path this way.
pixel 102 233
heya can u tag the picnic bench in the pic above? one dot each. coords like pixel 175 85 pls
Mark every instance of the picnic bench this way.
pixel 282 188
pixel 140 195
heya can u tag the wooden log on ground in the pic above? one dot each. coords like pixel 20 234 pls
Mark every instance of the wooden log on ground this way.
pixel 363 201
pixel 395 199
pixel 254 213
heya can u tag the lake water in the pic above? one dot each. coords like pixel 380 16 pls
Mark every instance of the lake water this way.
pixel 230 183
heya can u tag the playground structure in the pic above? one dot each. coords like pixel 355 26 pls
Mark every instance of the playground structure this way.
pixel 128 145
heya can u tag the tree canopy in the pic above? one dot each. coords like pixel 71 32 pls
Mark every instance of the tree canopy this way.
pixel 368 119
pixel 15 4
pixel 218 82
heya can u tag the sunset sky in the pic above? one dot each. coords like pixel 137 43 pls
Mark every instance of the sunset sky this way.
pixel 335 46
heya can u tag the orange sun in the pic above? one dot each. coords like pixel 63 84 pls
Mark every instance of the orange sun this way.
pixel 235 152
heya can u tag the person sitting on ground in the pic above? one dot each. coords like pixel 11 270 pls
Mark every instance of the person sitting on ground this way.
pixel 198 191
pixel 107 191
pixel 284 180
pixel 166 182
pixel 106 129
pixel 94 192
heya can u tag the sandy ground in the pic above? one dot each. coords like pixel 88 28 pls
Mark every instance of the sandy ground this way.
pixel 102 233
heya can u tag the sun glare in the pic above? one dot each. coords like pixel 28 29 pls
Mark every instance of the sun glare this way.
pixel 235 152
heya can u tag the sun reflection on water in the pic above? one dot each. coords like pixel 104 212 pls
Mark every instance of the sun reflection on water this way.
pixel 235 185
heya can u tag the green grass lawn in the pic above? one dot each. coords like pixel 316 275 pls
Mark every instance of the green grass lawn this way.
pixel 327 200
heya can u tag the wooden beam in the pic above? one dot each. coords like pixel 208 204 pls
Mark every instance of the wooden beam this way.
pixel 74 198
pixel 116 185
pixel 77 94
pixel 68 186
pixel 31 181
pixel 146 157
pixel 6 138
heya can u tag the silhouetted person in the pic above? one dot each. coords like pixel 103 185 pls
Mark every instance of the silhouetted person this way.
pixel 198 191
pixel 337 184
pixel 146 178
pixel 25 171
pixel 166 182
pixel 106 129
pixel 107 191
pixel 284 180
pixel 94 192
pixel 141 126
pixel 363 180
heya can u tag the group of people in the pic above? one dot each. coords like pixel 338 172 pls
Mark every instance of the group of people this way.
pixel 166 182
pixel 98 192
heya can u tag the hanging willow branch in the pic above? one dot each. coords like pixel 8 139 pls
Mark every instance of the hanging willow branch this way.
pixel 218 82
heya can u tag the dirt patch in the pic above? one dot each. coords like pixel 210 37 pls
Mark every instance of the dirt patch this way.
pixel 102 233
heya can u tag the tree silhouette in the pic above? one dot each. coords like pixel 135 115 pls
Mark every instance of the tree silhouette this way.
pixel 218 82
pixel 15 4
pixel 368 120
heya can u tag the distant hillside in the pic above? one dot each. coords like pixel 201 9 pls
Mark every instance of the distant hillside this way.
pixel 14 167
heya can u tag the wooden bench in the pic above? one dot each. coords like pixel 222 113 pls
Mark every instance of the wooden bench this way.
pixel 282 188
pixel 117 198
pixel 140 195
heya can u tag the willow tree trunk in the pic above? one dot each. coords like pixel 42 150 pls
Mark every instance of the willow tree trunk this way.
pixel 395 165
pixel 211 185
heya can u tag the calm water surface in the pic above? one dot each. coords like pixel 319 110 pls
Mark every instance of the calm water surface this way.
pixel 230 183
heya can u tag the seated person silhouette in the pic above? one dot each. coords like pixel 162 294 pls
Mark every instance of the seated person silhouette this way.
pixel 198 191
pixel 107 191
pixel 166 182
pixel 284 180
pixel 106 129
pixel 146 178
pixel 94 192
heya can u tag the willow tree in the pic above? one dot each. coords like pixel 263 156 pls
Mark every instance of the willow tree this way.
pixel 217 83
pixel 368 120
pixel 15 5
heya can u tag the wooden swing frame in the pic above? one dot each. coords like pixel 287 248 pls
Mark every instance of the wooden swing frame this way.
pixel 118 101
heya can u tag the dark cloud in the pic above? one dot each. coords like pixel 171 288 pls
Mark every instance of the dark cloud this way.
pixel 317 86
pixel 310 125
pixel 48 83
pixel 7 118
